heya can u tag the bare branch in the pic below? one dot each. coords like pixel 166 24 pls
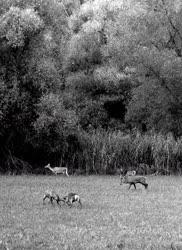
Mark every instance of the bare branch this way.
pixel 178 51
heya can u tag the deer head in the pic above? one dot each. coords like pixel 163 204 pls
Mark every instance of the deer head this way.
pixel 48 165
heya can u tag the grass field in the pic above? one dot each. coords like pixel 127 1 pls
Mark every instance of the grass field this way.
pixel 112 216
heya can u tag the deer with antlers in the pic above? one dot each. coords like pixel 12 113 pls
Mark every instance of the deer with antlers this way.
pixel 58 170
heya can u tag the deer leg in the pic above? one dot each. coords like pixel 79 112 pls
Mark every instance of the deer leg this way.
pixel 134 185
pixel 51 199
pixel 45 197
pixel 70 203
pixel 67 202
pixel 129 186
pixel 80 203
pixel 58 200
pixel 144 184
pixel 65 172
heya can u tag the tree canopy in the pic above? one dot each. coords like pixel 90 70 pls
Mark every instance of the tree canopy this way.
pixel 69 66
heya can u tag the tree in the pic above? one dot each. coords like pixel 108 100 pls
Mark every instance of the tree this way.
pixel 92 65
pixel 30 67
pixel 54 123
pixel 159 63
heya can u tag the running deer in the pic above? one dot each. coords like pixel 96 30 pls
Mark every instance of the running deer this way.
pixel 133 180
pixel 58 170
pixel 70 198
pixel 51 195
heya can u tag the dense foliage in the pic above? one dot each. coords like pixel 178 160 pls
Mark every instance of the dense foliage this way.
pixel 77 76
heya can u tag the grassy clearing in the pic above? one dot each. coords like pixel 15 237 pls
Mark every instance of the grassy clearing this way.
pixel 111 215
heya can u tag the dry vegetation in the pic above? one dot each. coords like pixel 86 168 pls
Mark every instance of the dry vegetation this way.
pixel 111 218
pixel 106 152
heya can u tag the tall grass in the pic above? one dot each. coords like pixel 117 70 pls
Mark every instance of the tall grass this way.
pixel 106 152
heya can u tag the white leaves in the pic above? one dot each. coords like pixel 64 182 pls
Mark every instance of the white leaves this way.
pixel 17 24
pixel 91 26
pixel 108 75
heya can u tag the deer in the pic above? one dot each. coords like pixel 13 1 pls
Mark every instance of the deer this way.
pixel 131 173
pixel 71 198
pixel 58 170
pixel 127 173
pixel 51 195
pixel 133 180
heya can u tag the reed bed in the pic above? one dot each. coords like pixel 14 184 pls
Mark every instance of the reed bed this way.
pixel 106 152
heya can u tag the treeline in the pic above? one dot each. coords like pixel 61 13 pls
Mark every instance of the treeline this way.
pixel 77 78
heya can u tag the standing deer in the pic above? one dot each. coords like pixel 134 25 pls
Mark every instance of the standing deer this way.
pixel 58 170
pixel 133 180
pixel 70 198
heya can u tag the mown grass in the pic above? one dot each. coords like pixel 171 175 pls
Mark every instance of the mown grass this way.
pixel 112 216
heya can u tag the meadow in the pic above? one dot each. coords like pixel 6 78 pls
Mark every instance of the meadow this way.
pixel 112 216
